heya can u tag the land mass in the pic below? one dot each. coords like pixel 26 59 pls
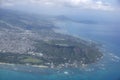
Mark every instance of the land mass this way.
pixel 28 39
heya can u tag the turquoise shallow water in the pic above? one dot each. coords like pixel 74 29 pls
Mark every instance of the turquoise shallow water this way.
pixel 106 69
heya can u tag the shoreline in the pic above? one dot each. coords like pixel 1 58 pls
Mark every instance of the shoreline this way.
pixel 11 64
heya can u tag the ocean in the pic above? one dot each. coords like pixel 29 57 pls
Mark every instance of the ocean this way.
pixel 108 68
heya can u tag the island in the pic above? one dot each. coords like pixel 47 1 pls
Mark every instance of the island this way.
pixel 29 39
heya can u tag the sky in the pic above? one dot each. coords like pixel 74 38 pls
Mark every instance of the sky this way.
pixel 105 5
pixel 83 8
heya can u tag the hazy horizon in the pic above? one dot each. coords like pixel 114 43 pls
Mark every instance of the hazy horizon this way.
pixel 99 10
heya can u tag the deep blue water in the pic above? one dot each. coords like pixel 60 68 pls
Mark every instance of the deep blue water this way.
pixel 106 69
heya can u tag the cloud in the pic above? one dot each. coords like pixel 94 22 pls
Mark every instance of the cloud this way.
pixel 83 4
pixel 90 4
pixel 118 2
pixel 6 3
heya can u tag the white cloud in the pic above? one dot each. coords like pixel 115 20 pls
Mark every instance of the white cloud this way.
pixel 84 4
pixel 90 4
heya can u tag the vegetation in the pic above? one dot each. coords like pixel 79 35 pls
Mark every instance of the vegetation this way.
pixel 25 39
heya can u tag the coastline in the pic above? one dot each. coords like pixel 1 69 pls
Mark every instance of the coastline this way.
pixel 11 64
